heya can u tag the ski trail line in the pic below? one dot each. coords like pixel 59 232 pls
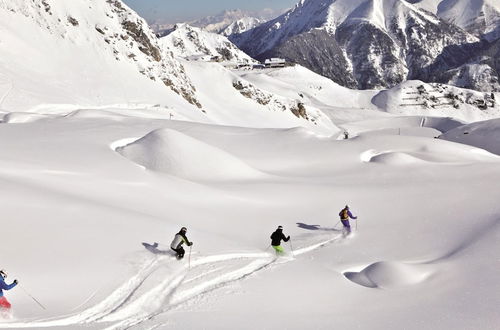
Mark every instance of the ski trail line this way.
pixel 118 297
pixel 196 291
pixel 86 300
pixel 216 283
pixel 163 297
pixel 4 97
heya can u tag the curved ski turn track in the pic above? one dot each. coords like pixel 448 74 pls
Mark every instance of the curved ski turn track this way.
pixel 164 283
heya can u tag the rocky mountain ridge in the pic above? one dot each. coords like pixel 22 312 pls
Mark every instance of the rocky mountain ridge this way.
pixel 109 28
pixel 190 42
pixel 369 44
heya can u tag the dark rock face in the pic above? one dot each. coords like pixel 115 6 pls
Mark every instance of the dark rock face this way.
pixel 362 43
pixel 474 66
pixel 73 21
pixel 319 52
pixel 225 53
pixel 431 40
pixel 365 54
pixel 492 54
pixel 136 32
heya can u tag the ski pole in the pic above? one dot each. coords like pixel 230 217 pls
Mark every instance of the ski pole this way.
pixel 336 224
pixel 189 259
pixel 291 247
pixel 356 224
pixel 34 299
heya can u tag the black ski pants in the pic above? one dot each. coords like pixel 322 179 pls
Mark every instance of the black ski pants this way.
pixel 180 252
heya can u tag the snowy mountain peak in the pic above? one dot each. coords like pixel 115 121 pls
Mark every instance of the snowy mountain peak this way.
pixel 221 21
pixel 190 42
pixel 479 17
pixel 357 43
pixel 384 13
pixel 242 25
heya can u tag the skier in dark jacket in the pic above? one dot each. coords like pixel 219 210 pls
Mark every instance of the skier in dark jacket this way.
pixel 276 238
pixel 345 214
pixel 179 239
pixel 4 303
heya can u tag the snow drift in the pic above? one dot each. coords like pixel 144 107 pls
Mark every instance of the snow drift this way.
pixel 484 134
pixel 172 152
pixel 390 275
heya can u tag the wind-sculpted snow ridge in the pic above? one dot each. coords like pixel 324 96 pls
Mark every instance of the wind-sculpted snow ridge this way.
pixel 390 275
pixel 22 117
pixel 484 134
pixel 398 275
pixel 175 153
pixel 438 153
pixel 163 283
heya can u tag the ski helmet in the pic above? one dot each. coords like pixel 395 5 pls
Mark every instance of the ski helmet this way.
pixel 280 227
pixel 3 273
pixel 183 229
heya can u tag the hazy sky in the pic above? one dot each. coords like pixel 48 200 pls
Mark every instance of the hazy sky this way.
pixel 174 11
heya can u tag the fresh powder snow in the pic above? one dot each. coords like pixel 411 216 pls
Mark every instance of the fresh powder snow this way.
pixel 108 148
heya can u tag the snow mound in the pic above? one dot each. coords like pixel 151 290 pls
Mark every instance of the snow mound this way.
pixel 395 158
pixel 22 117
pixel 485 135
pixel 172 152
pixel 390 275
pixel 439 152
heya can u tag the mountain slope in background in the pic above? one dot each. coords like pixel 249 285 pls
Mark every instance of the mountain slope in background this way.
pixel 478 17
pixel 241 25
pixel 101 164
pixel 232 21
pixel 363 43
pixel 108 58
pixel 187 42
pixel 219 22
pixel 97 44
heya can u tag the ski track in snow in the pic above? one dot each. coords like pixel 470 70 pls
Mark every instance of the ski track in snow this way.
pixel 134 303
pixel 7 93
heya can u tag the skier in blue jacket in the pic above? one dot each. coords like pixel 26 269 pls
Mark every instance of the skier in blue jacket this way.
pixel 4 303
pixel 345 214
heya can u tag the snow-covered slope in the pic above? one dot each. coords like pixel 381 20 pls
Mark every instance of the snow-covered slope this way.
pixel 190 42
pixel 93 193
pixel 80 222
pixel 479 17
pixel 418 98
pixel 108 58
pixel 484 135
pixel 362 43
pixel 233 97
pixel 79 52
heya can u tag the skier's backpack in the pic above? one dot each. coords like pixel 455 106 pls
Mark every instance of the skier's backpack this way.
pixel 344 214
